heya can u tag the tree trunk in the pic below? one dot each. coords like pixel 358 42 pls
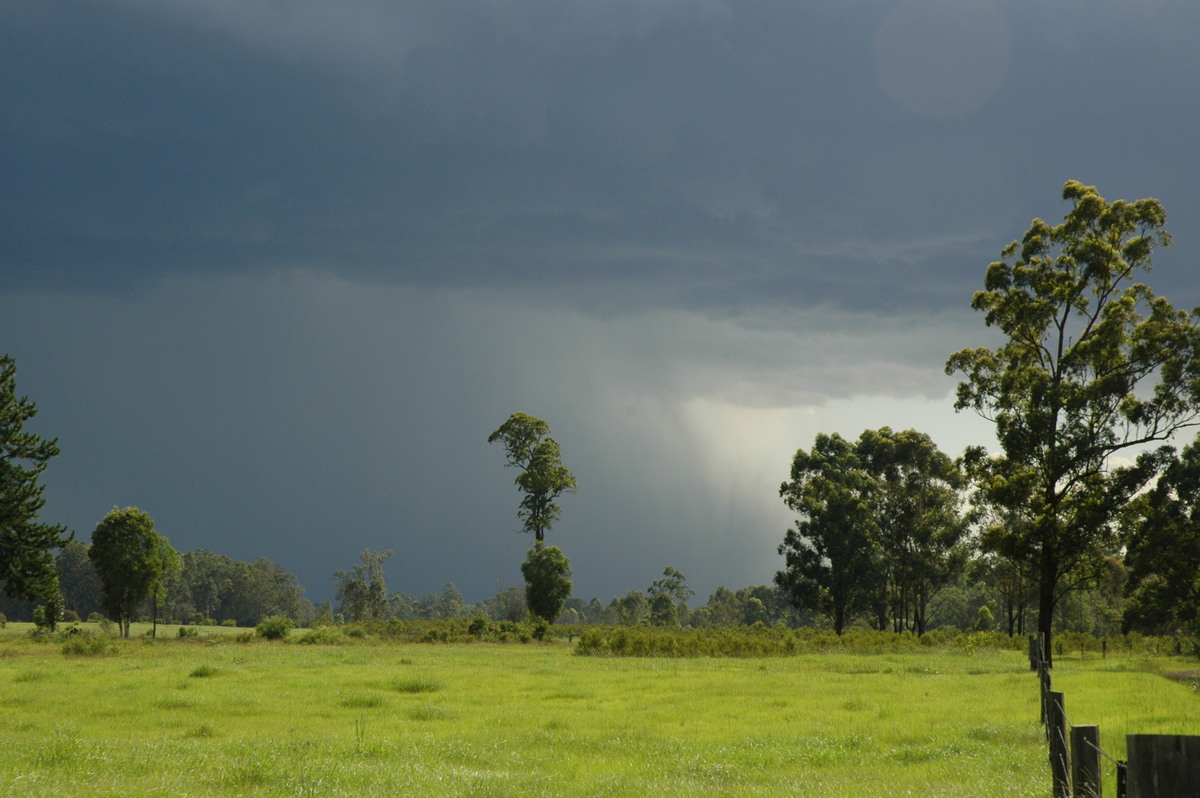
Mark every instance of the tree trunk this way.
pixel 1046 607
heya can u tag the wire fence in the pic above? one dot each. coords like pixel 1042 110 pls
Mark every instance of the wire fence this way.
pixel 1158 765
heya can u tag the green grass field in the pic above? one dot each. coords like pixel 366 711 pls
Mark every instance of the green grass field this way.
pixel 212 716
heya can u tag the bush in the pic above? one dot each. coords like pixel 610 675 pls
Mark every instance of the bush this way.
pixel 276 627
pixel 70 616
pixel 83 644
pixel 3 620
pixel 230 622
pixel 189 631
pixel 46 616
pixel 323 636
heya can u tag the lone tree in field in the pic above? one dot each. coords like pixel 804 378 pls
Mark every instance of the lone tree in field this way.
pixel 1094 364
pixel 130 558
pixel 543 478
pixel 27 568
pixel 547 573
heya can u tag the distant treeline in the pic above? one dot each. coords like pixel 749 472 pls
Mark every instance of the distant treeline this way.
pixel 213 589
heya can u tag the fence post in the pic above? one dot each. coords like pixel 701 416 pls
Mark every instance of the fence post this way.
pixel 1034 654
pixel 1163 765
pixel 1044 678
pixel 1060 757
pixel 1085 761
pixel 1122 780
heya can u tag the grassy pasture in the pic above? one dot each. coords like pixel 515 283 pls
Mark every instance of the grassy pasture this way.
pixel 212 716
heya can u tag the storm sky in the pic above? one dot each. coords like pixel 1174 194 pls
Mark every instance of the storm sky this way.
pixel 273 272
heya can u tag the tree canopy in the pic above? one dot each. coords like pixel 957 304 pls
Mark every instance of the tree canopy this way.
pixel 27 545
pixel 547 573
pixel 1093 364
pixel 831 552
pixel 129 557
pixel 1164 552
pixel 362 590
pixel 543 478
pixel 880 528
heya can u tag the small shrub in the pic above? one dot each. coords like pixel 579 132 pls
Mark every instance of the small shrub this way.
pixel 203 671
pixel 323 636
pixel 87 645
pixel 70 616
pixel 229 622
pixel 540 629
pixel 275 627
pixel 188 631
pixel 244 637
pixel 47 615
pixel 3 620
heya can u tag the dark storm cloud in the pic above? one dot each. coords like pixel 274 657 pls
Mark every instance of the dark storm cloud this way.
pixel 695 149
pixel 273 271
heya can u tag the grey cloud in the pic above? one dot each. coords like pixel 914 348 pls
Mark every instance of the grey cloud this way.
pixel 273 271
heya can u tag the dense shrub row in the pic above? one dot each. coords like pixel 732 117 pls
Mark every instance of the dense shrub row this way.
pixel 638 641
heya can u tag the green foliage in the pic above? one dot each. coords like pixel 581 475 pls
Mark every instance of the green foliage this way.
pixel 362 590
pixel 831 553
pixel 26 560
pixel 663 611
pixel 1163 552
pixel 46 616
pixel 214 588
pixel 129 557
pixel 543 478
pixel 323 635
pixel 276 627
pixel 984 620
pixel 668 598
pixel 188 631
pixel 3 620
pixel 922 531
pixel 1093 364
pixel 84 644
pixel 753 641
pixel 547 574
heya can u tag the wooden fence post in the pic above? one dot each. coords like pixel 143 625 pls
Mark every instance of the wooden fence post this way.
pixel 1060 757
pixel 1163 765
pixel 1044 678
pixel 1034 654
pixel 1085 761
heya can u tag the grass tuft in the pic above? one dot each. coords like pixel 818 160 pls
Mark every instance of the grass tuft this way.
pixel 416 684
